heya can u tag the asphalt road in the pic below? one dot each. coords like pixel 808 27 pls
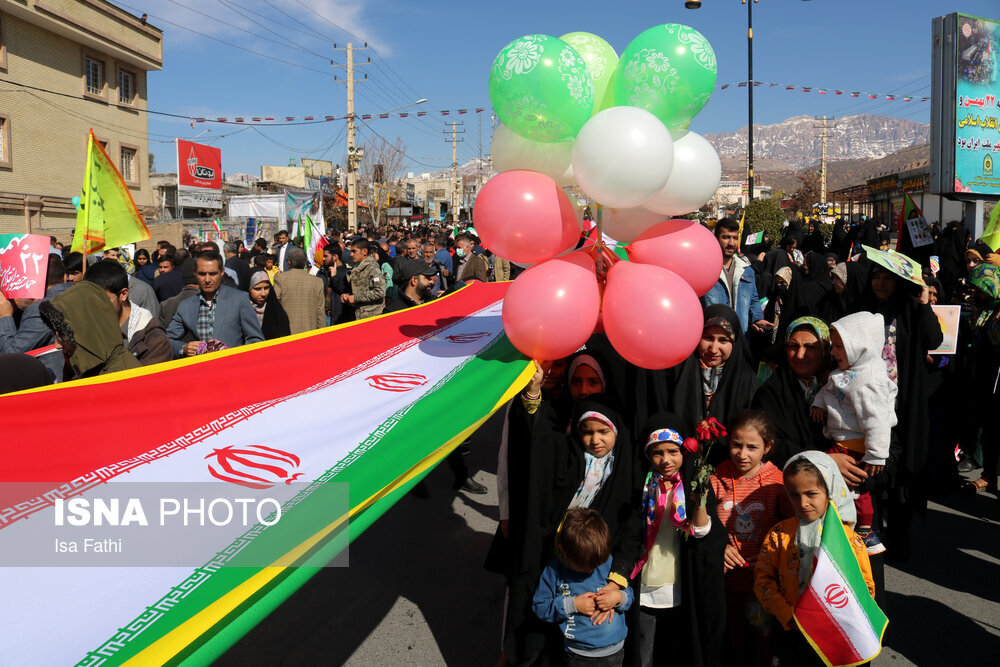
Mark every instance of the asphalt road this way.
pixel 416 593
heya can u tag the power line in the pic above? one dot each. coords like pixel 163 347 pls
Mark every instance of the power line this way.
pixel 284 40
pixel 304 25
pixel 160 19
pixel 404 153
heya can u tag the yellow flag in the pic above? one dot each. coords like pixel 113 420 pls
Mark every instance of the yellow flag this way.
pixel 107 216
pixel 742 218
pixel 991 235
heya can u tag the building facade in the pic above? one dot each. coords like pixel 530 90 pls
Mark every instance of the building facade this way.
pixel 86 62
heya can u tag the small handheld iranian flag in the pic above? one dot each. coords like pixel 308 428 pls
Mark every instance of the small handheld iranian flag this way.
pixel 218 227
pixel 835 612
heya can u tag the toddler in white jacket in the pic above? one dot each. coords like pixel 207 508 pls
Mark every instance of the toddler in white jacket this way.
pixel 858 401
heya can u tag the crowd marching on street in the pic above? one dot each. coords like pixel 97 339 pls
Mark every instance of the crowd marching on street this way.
pixel 691 499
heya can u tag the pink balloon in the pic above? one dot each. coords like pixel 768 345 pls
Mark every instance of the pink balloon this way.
pixel 651 316
pixel 551 309
pixel 525 217
pixel 684 247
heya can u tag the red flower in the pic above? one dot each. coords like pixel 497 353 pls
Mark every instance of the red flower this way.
pixel 710 428
pixel 690 445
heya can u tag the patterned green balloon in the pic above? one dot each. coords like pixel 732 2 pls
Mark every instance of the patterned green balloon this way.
pixel 601 62
pixel 541 89
pixel 669 71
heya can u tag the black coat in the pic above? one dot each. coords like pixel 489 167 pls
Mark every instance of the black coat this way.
pixel 736 386
pixel 917 331
pixel 555 468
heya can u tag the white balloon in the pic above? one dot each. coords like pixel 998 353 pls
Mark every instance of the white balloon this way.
pixel 626 224
pixel 623 156
pixel 694 180
pixel 511 151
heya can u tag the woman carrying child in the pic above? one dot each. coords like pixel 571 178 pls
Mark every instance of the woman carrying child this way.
pixel 681 596
pixel 787 555
pixel 751 498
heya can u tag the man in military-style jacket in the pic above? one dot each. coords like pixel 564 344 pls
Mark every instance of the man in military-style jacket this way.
pixel 367 282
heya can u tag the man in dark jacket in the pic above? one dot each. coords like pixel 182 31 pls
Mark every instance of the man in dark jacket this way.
pixel 240 266
pixel 414 279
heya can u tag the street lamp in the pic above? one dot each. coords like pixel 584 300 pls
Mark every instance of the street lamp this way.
pixel 696 4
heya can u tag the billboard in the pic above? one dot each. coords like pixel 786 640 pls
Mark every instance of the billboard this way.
pixel 199 175
pixel 965 117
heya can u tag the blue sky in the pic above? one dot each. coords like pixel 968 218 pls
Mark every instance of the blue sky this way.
pixel 442 51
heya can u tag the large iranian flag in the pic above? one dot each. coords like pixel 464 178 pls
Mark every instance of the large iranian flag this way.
pixel 836 613
pixel 374 404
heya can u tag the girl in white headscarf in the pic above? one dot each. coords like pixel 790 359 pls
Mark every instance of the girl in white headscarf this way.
pixel 787 556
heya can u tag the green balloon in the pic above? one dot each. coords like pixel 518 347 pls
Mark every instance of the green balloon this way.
pixel 669 71
pixel 541 89
pixel 601 62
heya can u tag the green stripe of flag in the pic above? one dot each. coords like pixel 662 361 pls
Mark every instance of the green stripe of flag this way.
pixel 839 551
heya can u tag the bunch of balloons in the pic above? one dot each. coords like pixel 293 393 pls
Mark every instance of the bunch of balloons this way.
pixel 575 114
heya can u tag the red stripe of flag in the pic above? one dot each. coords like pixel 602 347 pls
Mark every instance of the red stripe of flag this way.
pixel 445 113
pixel 833 642
pixel 479 109
pixel 268 117
pixel 239 120
pixel 67 459
pixel 308 118
pixel 789 87
pixel 723 86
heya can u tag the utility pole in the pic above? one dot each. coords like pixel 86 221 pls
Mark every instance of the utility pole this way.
pixel 454 167
pixel 353 154
pixel 823 171
pixel 822 187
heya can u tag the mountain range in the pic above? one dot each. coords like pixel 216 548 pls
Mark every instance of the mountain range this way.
pixel 797 142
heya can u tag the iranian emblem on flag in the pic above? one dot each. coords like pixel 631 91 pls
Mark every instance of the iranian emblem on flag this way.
pixel 470 337
pixel 836 612
pixel 396 381
pixel 253 466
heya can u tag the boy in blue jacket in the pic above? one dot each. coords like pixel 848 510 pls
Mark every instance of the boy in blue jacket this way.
pixel 568 592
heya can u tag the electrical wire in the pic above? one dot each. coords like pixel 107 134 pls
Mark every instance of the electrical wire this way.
pixel 284 40
pixel 160 19
pixel 304 25
pixel 404 153
pixel 252 34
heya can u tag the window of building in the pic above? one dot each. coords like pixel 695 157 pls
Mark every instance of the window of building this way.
pixel 5 155
pixel 126 87
pixel 3 47
pixel 95 83
pixel 128 164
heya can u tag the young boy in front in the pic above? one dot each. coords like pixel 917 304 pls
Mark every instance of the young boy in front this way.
pixel 568 592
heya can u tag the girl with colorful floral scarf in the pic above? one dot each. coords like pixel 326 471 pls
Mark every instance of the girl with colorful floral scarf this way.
pixel 679 572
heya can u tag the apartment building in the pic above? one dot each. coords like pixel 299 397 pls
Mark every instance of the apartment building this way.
pixel 67 66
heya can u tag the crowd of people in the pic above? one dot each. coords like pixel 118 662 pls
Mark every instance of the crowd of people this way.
pixel 208 296
pixel 645 515
pixel 655 516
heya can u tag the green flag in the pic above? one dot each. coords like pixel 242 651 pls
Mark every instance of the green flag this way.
pixel 991 234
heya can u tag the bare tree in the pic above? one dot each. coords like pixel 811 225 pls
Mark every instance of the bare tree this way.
pixel 378 175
